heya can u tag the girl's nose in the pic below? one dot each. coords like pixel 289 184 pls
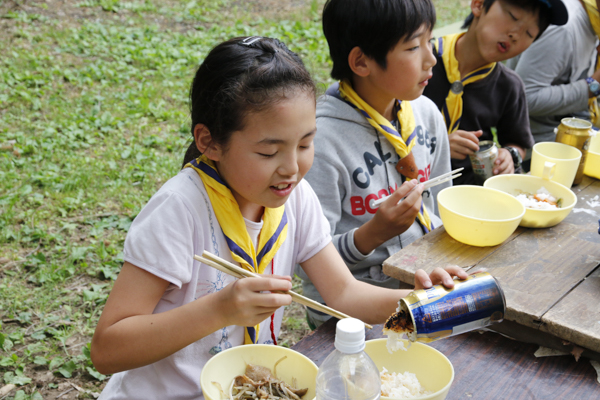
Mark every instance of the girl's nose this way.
pixel 289 166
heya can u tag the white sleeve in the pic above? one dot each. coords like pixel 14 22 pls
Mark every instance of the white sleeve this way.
pixel 313 229
pixel 161 239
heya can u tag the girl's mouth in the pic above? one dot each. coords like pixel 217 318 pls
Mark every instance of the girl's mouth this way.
pixel 282 189
pixel 503 47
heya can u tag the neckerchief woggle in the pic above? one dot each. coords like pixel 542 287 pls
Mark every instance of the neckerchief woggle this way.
pixel 594 16
pixel 227 211
pixel 403 143
pixel 453 107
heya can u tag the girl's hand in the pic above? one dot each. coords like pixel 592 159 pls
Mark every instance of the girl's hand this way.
pixel 463 143
pixel 249 301
pixel 439 276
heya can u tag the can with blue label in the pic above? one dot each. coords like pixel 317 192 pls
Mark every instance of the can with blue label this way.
pixel 430 314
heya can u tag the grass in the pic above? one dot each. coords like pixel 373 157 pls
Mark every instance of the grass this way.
pixel 93 119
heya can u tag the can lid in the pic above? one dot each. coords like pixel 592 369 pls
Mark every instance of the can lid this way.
pixel 576 123
pixel 350 335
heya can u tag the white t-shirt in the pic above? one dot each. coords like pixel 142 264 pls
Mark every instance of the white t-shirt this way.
pixel 177 223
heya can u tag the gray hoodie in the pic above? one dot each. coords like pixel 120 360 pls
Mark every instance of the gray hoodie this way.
pixel 355 164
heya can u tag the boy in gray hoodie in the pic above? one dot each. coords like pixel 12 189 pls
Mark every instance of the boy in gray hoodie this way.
pixel 376 135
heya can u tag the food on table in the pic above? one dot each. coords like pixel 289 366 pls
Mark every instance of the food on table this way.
pixel 258 383
pixel 404 385
pixel 396 326
pixel 542 200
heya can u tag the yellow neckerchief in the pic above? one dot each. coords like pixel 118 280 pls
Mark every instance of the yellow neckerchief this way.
pixel 453 108
pixel 229 216
pixel 403 144
pixel 594 16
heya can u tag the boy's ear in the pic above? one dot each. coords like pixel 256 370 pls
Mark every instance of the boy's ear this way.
pixel 204 142
pixel 477 8
pixel 358 62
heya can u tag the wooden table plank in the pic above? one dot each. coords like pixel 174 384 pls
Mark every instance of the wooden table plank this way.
pixel 576 318
pixel 537 268
pixel 489 366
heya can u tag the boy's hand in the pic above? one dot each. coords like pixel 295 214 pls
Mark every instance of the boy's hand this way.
pixel 394 218
pixel 504 163
pixel 464 143
pixel 439 276
pixel 245 304
pixel 390 219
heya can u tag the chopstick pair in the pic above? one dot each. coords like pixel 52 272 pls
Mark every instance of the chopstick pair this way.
pixel 238 272
pixel 429 184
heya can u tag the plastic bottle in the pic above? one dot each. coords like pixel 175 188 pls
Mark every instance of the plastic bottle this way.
pixel 348 373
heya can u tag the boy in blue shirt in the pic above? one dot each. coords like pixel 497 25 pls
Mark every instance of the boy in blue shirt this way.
pixel 377 136
pixel 476 92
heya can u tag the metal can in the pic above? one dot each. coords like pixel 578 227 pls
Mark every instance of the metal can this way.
pixel 575 132
pixel 439 312
pixel 483 161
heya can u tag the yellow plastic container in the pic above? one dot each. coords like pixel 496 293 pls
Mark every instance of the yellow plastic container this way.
pixel 433 369
pixel 592 161
pixel 479 216
pixel 519 184
pixel 225 366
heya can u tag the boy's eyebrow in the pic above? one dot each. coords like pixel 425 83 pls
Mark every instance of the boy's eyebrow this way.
pixel 417 34
pixel 279 141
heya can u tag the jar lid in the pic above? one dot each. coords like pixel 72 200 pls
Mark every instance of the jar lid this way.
pixel 350 335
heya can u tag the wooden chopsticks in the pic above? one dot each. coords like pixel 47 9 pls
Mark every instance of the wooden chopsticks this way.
pixel 429 184
pixel 238 272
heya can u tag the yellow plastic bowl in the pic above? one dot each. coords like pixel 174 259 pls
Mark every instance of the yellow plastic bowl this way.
pixel 479 216
pixel 518 184
pixel 433 369
pixel 592 160
pixel 225 366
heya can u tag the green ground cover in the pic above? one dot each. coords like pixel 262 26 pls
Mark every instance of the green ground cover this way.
pixel 93 119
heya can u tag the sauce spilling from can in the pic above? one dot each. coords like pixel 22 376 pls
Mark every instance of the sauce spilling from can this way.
pixel 576 132
pixel 483 161
pixel 430 314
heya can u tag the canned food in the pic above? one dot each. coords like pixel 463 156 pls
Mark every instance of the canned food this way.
pixel 430 314
pixel 576 132
pixel 483 161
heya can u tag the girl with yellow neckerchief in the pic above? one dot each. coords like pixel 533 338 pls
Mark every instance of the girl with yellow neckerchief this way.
pixel 478 96
pixel 240 196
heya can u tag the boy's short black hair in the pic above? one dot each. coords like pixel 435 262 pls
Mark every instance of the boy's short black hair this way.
pixel 527 5
pixel 375 26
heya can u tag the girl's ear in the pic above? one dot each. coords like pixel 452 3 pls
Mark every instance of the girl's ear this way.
pixel 204 142
pixel 359 62
pixel 477 8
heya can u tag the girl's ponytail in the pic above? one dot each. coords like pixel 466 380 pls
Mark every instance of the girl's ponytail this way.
pixel 241 76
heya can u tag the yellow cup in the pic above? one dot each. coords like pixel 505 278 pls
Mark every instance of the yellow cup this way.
pixel 592 162
pixel 555 161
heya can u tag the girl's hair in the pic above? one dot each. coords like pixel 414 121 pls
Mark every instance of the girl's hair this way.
pixel 241 76
pixel 527 5
pixel 375 26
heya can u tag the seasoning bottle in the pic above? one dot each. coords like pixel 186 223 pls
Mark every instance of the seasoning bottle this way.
pixel 348 373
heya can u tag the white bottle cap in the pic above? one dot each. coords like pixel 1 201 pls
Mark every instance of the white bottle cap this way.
pixel 350 335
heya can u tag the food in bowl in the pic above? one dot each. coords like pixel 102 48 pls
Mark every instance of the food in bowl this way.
pixel 432 368
pixel 398 325
pixel 541 200
pixel 258 383
pixel 404 385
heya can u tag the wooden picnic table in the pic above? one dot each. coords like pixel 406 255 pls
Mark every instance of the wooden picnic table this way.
pixel 550 277
pixel 488 366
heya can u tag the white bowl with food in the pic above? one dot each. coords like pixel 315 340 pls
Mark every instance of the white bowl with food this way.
pixel 419 372
pixel 227 372
pixel 546 202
